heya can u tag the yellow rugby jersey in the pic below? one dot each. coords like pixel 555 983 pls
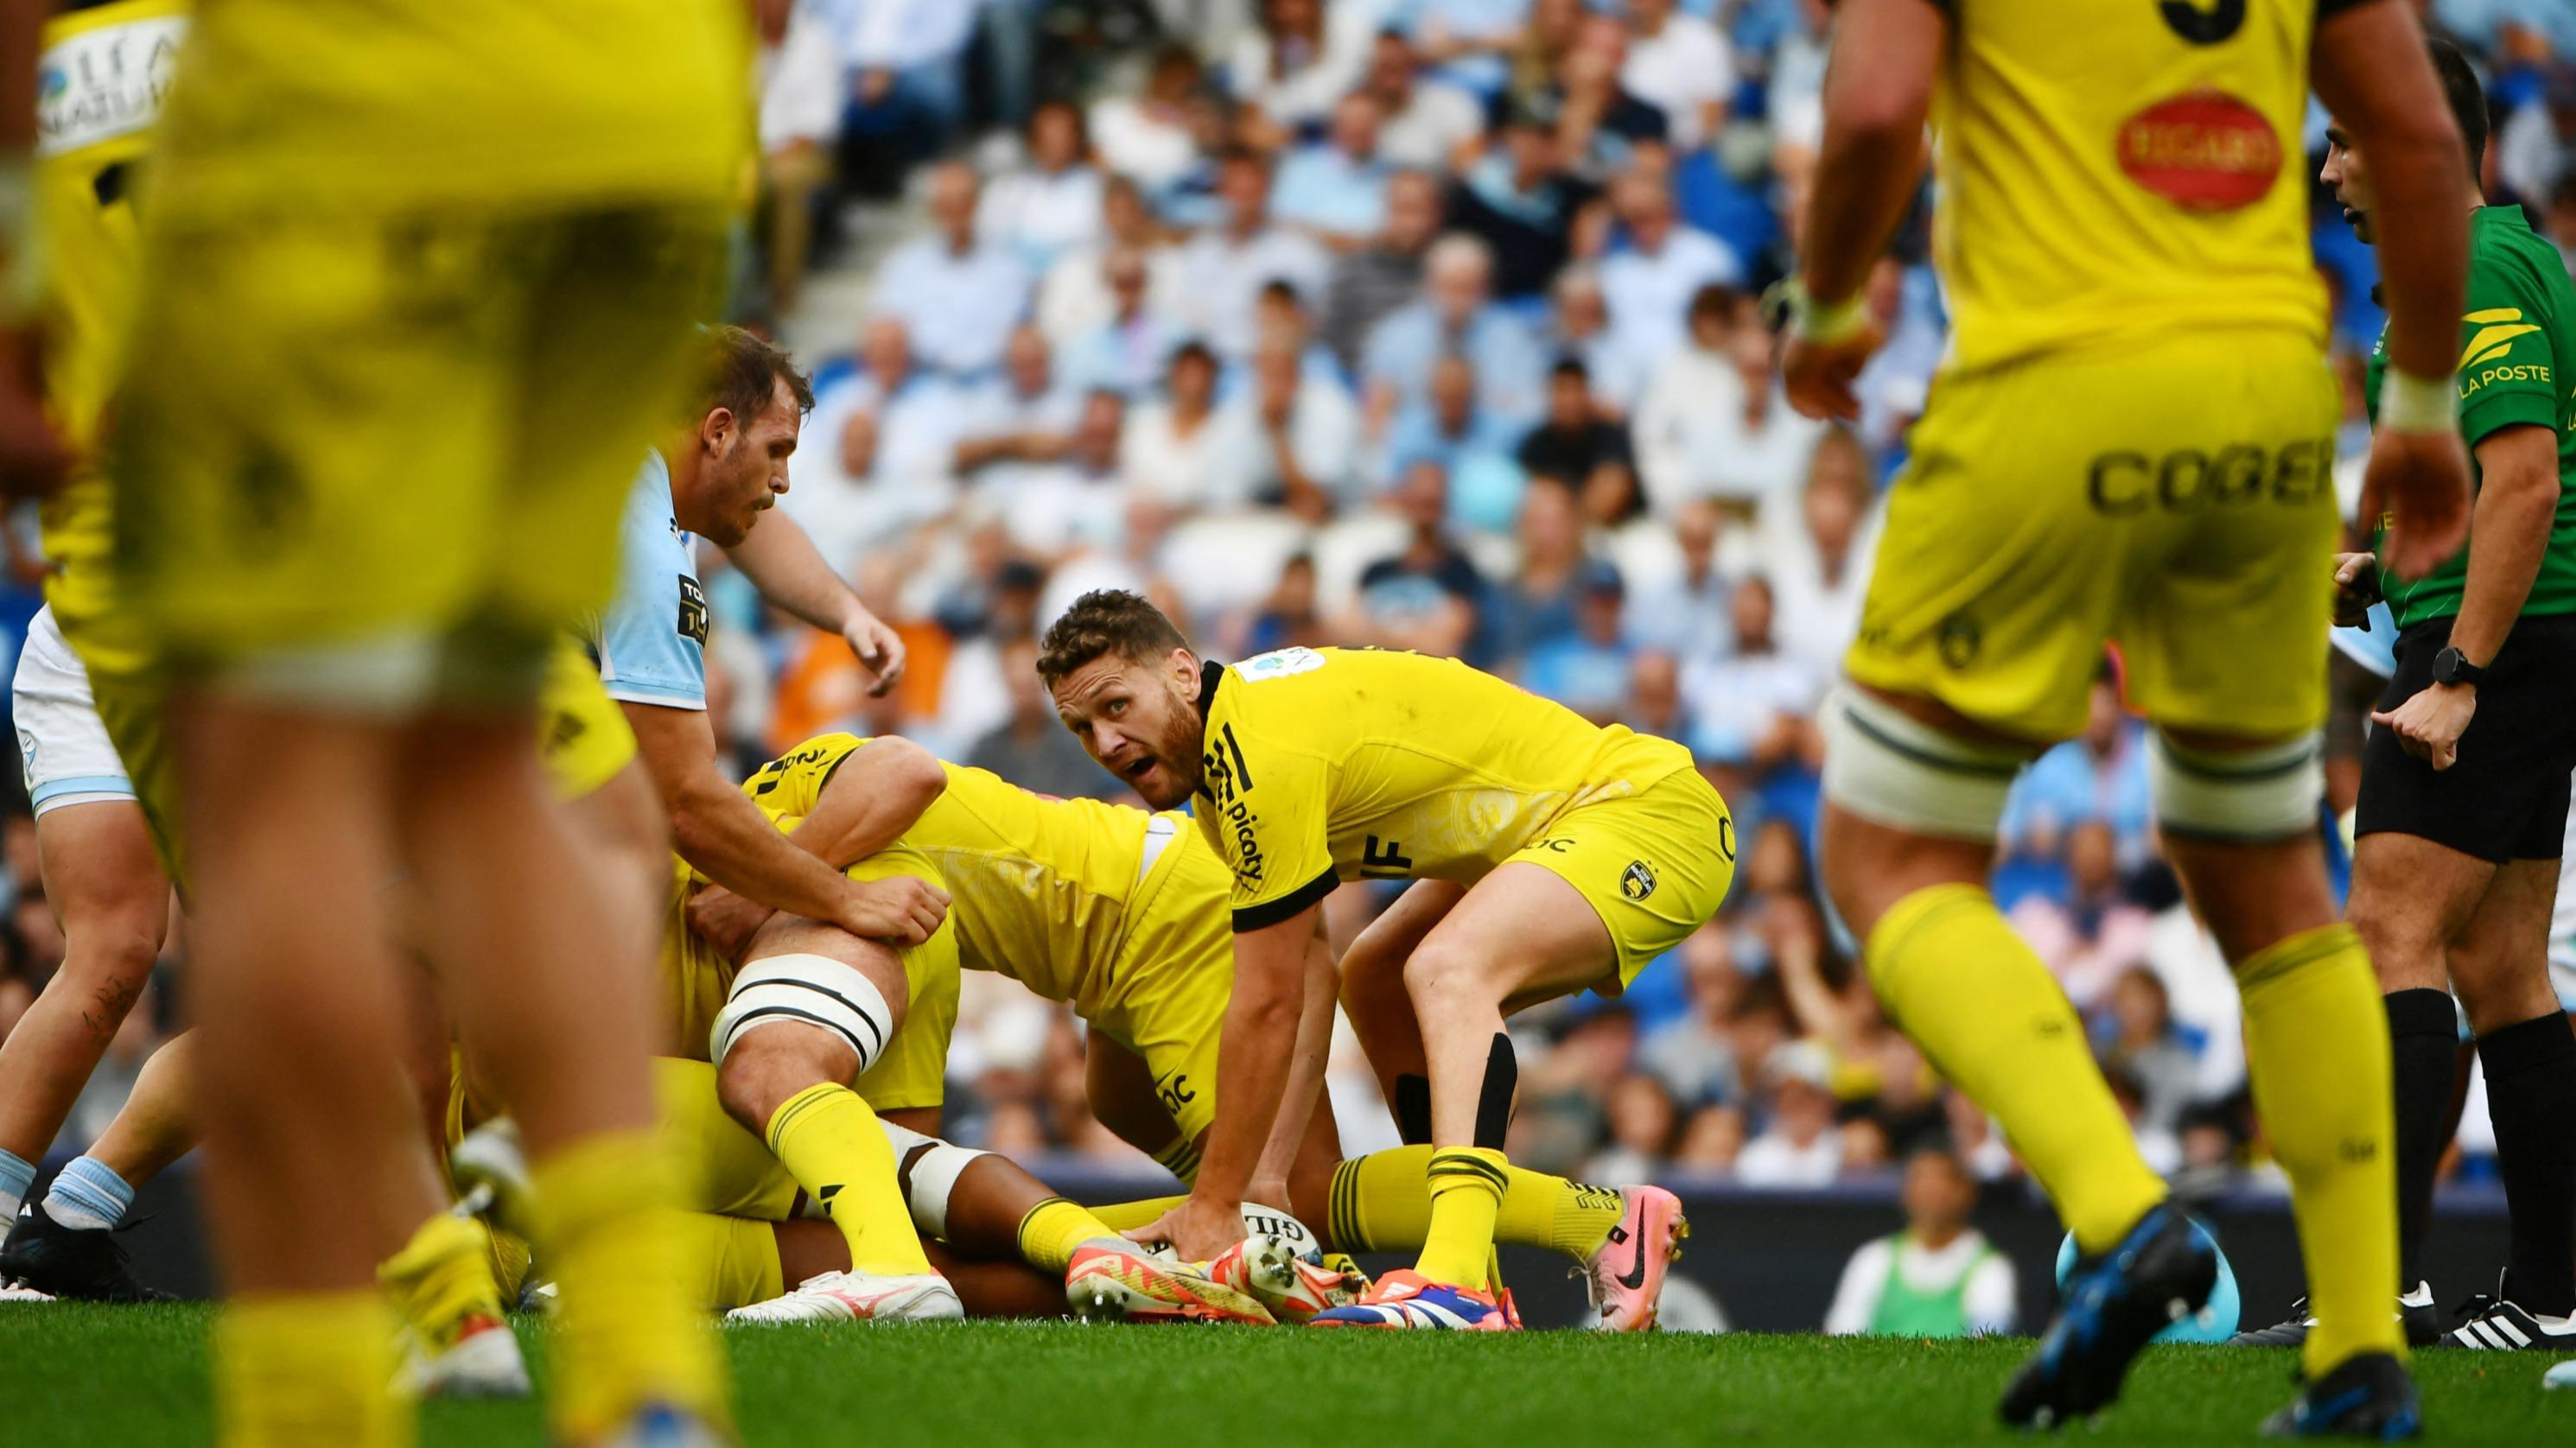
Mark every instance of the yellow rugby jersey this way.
pixel 1039 887
pixel 1325 765
pixel 99 85
pixel 404 105
pixel 2122 167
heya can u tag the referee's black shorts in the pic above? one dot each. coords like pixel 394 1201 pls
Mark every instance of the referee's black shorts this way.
pixel 2505 797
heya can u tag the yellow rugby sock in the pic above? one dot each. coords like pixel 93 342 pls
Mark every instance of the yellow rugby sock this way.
pixel 309 1371
pixel 1054 1228
pixel 740 1258
pixel 1381 1202
pixel 1466 1185
pixel 630 1334
pixel 1993 1021
pixel 1128 1216
pixel 442 1279
pixel 2317 1056
pixel 829 1139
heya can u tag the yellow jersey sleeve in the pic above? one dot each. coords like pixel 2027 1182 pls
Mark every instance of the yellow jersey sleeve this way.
pixel 1266 810
pixel 793 783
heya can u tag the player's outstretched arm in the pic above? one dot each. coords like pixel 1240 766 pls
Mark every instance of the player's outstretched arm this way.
pixel 1252 1076
pixel 875 794
pixel 2372 71
pixel 1302 1095
pixel 782 562
pixel 1878 92
pixel 725 837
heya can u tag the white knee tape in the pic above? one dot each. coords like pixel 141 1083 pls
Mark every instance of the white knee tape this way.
pixel 804 990
pixel 2269 793
pixel 1894 770
pixel 930 1168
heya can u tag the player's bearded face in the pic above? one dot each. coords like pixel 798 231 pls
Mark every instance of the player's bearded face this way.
pixel 1140 719
pixel 747 470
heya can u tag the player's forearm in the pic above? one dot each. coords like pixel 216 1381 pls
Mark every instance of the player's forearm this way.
pixel 2508 536
pixel 1302 1094
pixel 1259 1041
pixel 876 794
pixel 1878 92
pixel 726 838
pixel 2370 69
pixel 782 562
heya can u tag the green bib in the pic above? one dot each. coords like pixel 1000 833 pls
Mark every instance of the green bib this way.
pixel 1905 1312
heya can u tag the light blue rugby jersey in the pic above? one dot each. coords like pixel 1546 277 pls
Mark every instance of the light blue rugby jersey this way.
pixel 652 641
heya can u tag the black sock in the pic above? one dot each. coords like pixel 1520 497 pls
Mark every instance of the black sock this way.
pixel 2531 1096
pixel 2423 1039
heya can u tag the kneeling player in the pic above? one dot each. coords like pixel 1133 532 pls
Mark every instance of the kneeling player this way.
pixel 1553 855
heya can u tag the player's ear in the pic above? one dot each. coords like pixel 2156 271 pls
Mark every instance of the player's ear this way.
pixel 1184 668
pixel 715 427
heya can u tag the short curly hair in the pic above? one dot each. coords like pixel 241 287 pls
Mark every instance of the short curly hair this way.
pixel 1102 622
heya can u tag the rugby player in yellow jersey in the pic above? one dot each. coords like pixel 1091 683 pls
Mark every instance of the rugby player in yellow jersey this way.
pixel 1124 916
pixel 2130 441
pixel 419 282
pixel 1550 856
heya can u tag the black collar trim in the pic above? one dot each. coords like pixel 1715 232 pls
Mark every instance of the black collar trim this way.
pixel 1211 673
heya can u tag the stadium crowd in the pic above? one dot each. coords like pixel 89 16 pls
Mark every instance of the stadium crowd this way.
pixel 1424 324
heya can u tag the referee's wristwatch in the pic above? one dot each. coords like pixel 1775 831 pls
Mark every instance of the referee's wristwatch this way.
pixel 2450 666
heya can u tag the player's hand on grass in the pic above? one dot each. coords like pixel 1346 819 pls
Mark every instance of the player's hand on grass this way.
pixel 2429 725
pixel 879 649
pixel 1198 1228
pixel 33 457
pixel 2356 577
pixel 2419 483
pixel 898 910
pixel 726 920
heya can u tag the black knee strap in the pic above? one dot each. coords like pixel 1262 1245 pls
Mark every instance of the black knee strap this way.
pixel 1494 1099
pixel 1412 1106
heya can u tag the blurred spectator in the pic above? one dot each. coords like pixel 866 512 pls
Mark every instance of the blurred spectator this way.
pixel 1078 297
pixel 1304 56
pixel 1169 452
pixel 1457 316
pixel 1473 446
pixel 1033 749
pixel 1588 670
pixel 1818 556
pixel 1653 281
pixel 1287 618
pixel 1021 418
pixel 2100 774
pixel 1690 615
pixel 1893 384
pixel 1377 279
pixel 1939 1277
pixel 2142 1043
pixel 1654 702
pixel 1695 1056
pixel 1580 445
pixel 1795 97
pixel 877 452
pixel 2095 935
pixel 1681 65
pixel 1149 136
pixel 1470 39
pixel 1051 206
pixel 2536 144
pixel 1522 200
pixel 1290 439
pixel 1753 710
pixel 1799 1146
pixel 1426 123
pixel 1128 351
pixel 1223 269
pixel 1642 1122
pixel 1074 499
pixel 802 97
pixel 1712 1142
pixel 1579 330
pixel 1537 606
pixel 1713 422
pixel 959 293
pixel 1601 125
pixel 2562 219
pixel 908 87
pixel 1424 598
pixel 1335 188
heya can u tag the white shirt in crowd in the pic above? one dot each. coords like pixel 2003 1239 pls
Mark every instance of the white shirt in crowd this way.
pixel 1648 293
pixel 1040 216
pixel 899 34
pixel 1681 69
pixel 1692 440
pixel 1306 93
pixel 959 309
pixel 802 92
pixel 1163 465
pixel 1437 119
pixel 1135 143
pixel 1220 280
pixel 1074 299
pixel 1814 617
pixel 1323 433
pixel 1987 1301
pixel 909 482
pixel 1773 1160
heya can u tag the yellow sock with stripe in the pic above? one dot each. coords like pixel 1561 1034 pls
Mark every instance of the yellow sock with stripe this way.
pixel 441 1280
pixel 1379 1202
pixel 1128 1216
pixel 309 1371
pixel 1466 1185
pixel 631 1333
pixel 739 1258
pixel 1054 1227
pixel 2317 1055
pixel 829 1139
pixel 1991 1019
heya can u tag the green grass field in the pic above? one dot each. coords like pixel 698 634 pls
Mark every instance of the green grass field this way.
pixel 136 1378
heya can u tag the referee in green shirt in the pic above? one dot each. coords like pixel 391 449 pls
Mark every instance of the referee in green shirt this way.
pixel 2464 785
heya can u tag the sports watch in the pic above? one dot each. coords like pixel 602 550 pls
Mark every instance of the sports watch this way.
pixel 2450 666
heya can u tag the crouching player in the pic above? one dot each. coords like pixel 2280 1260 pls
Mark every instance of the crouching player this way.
pixel 1552 855
pixel 1123 916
